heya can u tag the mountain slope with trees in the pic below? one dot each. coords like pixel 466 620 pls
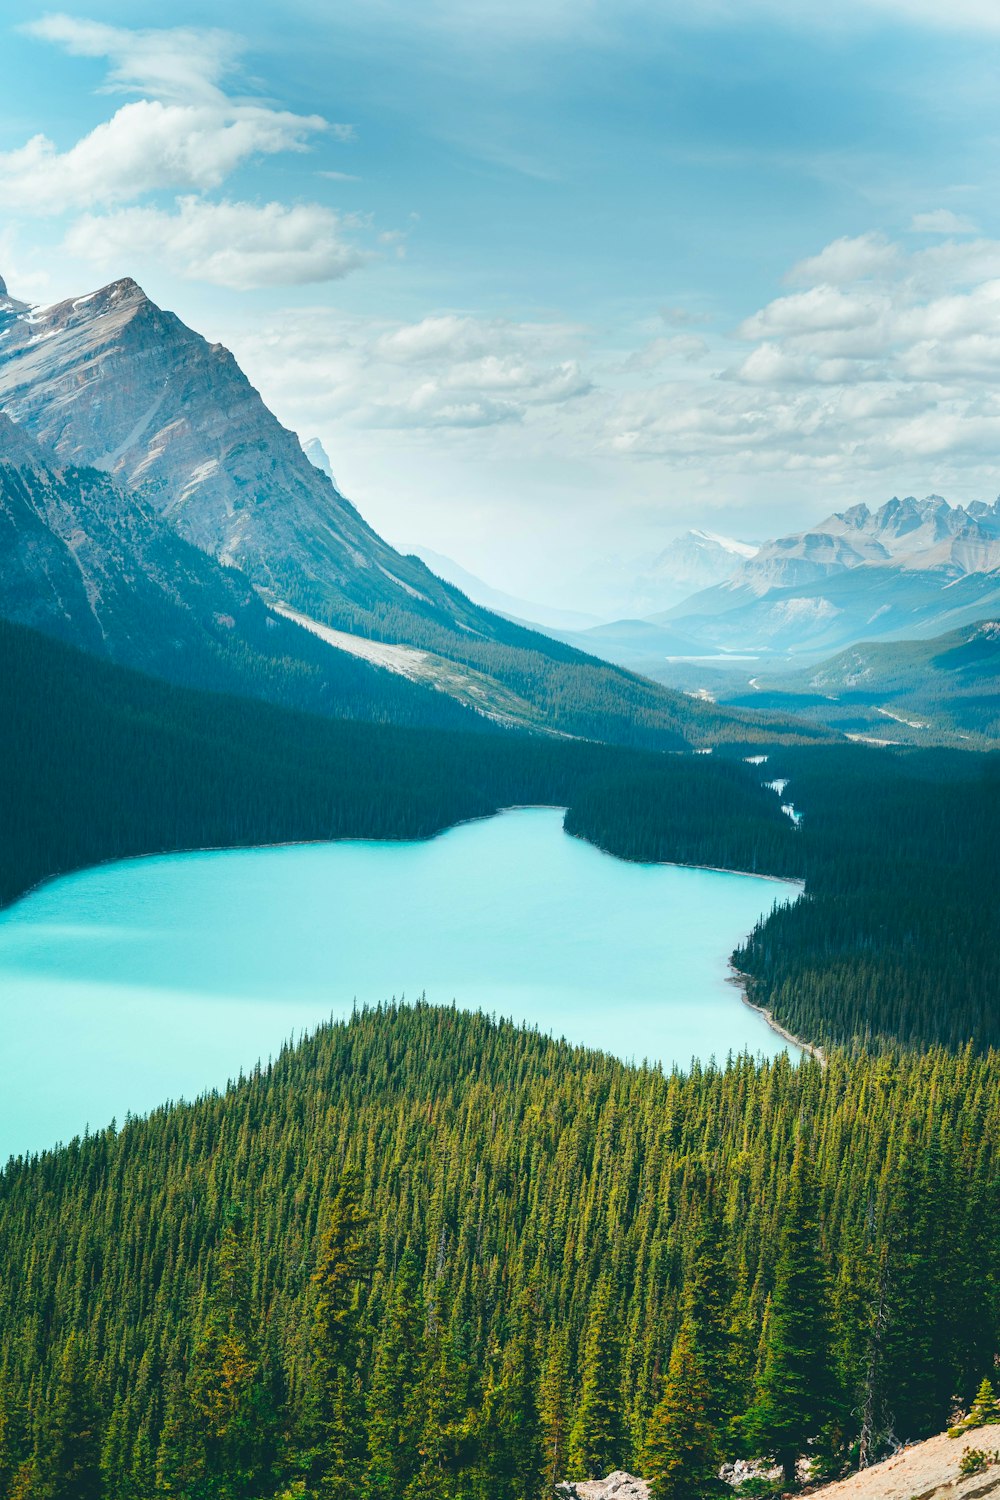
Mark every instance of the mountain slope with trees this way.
pixel 424 1254
pixel 114 383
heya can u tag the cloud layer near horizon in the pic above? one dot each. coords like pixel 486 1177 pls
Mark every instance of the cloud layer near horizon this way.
pixel 184 134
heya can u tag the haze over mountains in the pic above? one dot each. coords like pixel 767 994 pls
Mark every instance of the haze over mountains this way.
pixel 912 567
pixel 151 442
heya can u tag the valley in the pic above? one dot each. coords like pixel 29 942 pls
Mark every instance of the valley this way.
pixel 253 763
pixel 161 978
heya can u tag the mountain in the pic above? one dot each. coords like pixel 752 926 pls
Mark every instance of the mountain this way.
pixel 693 561
pixel 920 692
pixel 95 566
pixel 632 587
pixel 319 458
pixel 911 568
pixel 111 382
pixel 541 615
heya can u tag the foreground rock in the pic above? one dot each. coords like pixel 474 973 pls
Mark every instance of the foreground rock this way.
pixel 617 1486
pixel 926 1471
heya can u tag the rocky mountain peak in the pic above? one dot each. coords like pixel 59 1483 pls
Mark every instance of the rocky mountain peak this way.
pixel 3 287
pixel 857 516
pixel 112 381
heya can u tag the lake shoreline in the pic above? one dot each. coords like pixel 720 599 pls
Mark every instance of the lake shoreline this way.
pixel 126 859
pixel 812 1049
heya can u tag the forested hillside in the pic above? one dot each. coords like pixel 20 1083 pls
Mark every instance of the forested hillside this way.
pixel 100 763
pixel 895 940
pixel 897 937
pixel 425 1255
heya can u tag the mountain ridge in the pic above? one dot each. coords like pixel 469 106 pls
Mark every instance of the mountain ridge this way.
pixel 111 382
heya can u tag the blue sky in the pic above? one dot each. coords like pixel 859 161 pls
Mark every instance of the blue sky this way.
pixel 550 280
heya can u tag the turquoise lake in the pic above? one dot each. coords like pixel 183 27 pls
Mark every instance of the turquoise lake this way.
pixel 158 978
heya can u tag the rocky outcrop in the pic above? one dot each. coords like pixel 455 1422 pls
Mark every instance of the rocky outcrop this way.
pixel 85 561
pixel 617 1486
pixel 114 382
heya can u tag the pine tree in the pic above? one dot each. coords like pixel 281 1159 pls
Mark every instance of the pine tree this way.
pixel 985 1409
pixel 595 1440
pixel 709 1295
pixel 231 1424
pixel 441 1413
pixel 510 1425
pixel 553 1403
pixel 680 1457
pixel 336 1412
pixel 8 1445
pixel 71 1459
pixel 796 1392
pixel 392 1445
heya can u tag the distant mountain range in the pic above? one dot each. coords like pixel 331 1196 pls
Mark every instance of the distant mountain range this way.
pixel 146 438
pixel 914 692
pixel 510 605
pixel 910 568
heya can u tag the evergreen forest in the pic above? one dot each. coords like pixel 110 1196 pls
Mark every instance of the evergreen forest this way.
pixel 432 1254
pixel 428 1254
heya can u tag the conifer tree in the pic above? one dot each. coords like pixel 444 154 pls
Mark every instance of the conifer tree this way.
pixel 8 1450
pixel 554 1396
pixel 70 1461
pixel 796 1391
pixel 510 1424
pixel 335 1409
pixel 442 1417
pixel 680 1457
pixel 985 1408
pixel 709 1295
pixel 230 1423
pixel 392 1444
pixel 595 1440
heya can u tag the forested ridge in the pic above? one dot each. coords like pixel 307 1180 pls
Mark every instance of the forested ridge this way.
pixel 101 762
pixel 426 1254
pixel 897 938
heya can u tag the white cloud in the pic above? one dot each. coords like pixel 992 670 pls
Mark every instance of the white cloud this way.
pixel 449 370
pixel 240 245
pixel 821 309
pixel 846 380
pixel 847 260
pixel 943 221
pixel 187 135
pixel 175 63
pixel 146 146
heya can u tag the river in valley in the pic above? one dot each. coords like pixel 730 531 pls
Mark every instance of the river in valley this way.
pixel 153 979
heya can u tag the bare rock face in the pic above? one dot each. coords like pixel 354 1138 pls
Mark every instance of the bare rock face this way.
pixel 617 1486
pixel 85 561
pixel 113 382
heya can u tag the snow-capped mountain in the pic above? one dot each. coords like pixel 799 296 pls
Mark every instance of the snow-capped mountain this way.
pixel 112 381
pixel 912 567
pixel 912 534
pixel 109 381
pixel 635 587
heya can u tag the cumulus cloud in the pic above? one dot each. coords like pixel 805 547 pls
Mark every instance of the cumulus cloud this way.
pixel 449 370
pixel 185 134
pixel 943 221
pixel 888 357
pixel 847 260
pixel 147 145
pixel 239 245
